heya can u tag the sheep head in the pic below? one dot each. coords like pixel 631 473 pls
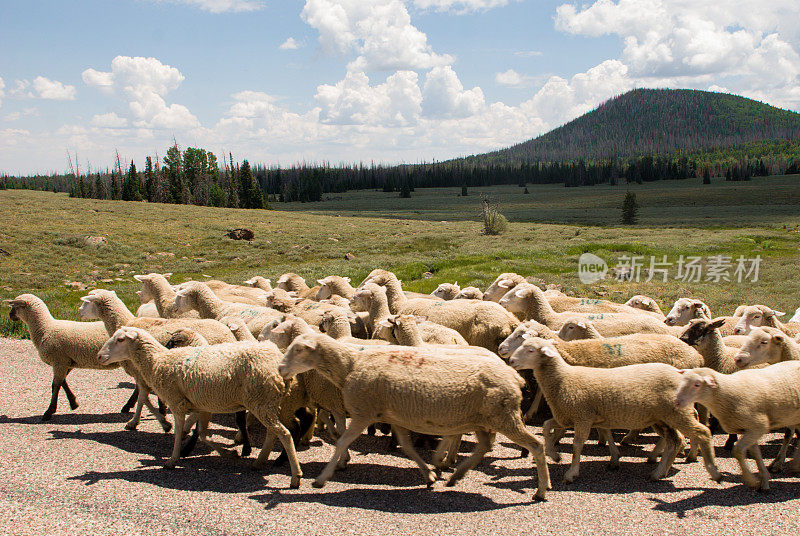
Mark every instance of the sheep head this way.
pixel 763 345
pixel 694 385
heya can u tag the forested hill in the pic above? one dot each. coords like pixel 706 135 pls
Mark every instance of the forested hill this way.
pixel 655 121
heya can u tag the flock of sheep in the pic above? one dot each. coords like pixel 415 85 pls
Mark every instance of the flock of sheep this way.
pixel 441 365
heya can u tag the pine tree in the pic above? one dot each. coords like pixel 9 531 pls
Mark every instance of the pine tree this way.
pixel 175 175
pixel 131 185
pixel 706 176
pixel 630 208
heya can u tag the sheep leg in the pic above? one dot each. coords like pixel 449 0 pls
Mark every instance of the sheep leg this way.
pixel 288 446
pixel 549 436
pixel 631 437
pixel 131 401
pixel 143 399
pixel 763 472
pixel 357 426
pixel 521 436
pixel 405 443
pixel 241 424
pixel 309 432
pixel 248 423
pixel 700 437
pixel 534 409
pixel 59 377
pixel 582 430
pixel 266 450
pixel 203 419
pixel 670 452
pixel 747 439
pixel 612 447
pixel 179 417
pixel 341 426
pixel 73 403
pixel 778 463
pixel 483 446
pixel 730 442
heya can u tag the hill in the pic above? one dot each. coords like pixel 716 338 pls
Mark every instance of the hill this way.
pixel 656 121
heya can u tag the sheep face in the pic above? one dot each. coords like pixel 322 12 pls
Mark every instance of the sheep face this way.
pixel 446 291
pixel 693 386
pixel 642 302
pixel 301 356
pixel 760 347
pixel 573 329
pixel 324 291
pixel 88 309
pixel 753 316
pixel 531 352
pixel 184 302
pixel 515 340
pixel 684 310
pixel 500 287
pixel 362 299
pixel 515 300
pixel 698 329
pixel 281 334
pixel 385 331
pixel 469 293
pixel 118 347
pixel 327 321
pixel 179 339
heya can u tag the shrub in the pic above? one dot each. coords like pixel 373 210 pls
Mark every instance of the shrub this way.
pixel 630 208
pixel 494 223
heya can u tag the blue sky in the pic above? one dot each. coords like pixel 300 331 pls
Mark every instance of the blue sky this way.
pixel 350 80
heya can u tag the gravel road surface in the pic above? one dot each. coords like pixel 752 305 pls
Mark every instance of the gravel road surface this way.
pixel 82 473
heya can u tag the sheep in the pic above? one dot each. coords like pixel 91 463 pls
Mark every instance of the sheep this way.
pixel 501 285
pixel 767 345
pixel 447 291
pixel 469 293
pixel 148 310
pixel 630 397
pixel 155 287
pixel 373 299
pixel 705 336
pixel 292 282
pixel 795 316
pixel 528 301
pixel 259 282
pixel 432 392
pixel 578 328
pixel 528 329
pixel 106 306
pixel 198 296
pixel 239 328
pixel 760 315
pixel 309 310
pixel 380 274
pixel 686 309
pixel 646 304
pixel 181 338
pixel 407 330
pixel 338 301
pixel 750 403
pixel 223 378
pixel 62 344
pixel 334 285
pixel 337 325
pixel 481 323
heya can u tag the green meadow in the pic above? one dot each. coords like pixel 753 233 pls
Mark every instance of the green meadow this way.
pixel 435 231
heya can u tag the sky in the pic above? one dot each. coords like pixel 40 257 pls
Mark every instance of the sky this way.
pixel 342 81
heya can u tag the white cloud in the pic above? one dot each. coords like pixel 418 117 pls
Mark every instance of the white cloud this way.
pixel 109 120
pixel 290 44
pixel 509 78
pixel 528 53
pixel 444 95
pixel 144 82
pixel 379 32
pixel 749 45
pixel 459 6
pixel 353 101
pixel 224 6
pixel 53 89
pixel 26 112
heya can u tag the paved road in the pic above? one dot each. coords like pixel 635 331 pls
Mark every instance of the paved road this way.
pixel 82 473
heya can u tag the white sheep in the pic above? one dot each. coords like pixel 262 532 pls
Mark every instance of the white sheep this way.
pixel 155 287
pixel 481 323
pixel 336 324
pixel 754 316
pixel 408 330
pixel 292 282
pixel 372 298
pixel 469 293
pixel 527 301
pixel 196 295
pixel 62 344
pixel 501 285
pixel 438 392
pixel 222 378
pixel 259 282
pixel 632 397
pixel 447 291
pixel 686 309
pixel 645 303
pixel 334 285
pixel 750 403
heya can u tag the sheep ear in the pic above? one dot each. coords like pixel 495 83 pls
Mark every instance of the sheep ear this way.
pixel 778 338
pixel 681 371
pixel 279 329
pixel 90 298
pixel 140 277
pixel 167 275
pixel 582 324
pixel 310 345
pixel 504 283
pixel 292 293
pixel 526 335
pixel 520 293
pixel 718 323
pixel 420 318
pixel 778 313
pixel 251 281
pixel 549 351
pixel 711 382
pixel 322 281
pixel 385 324
pixel 346 279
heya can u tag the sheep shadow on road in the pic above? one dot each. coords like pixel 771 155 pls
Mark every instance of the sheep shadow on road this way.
pixel 739 495
pixel 418 500
pixel 71 418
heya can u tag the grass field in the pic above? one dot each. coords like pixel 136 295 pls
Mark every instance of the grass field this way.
pixel 44 234
pixel 763 201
